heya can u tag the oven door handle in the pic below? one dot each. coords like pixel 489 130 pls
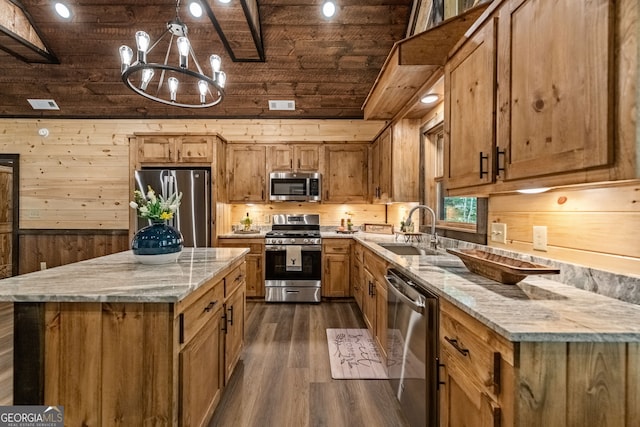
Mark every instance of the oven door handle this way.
pixel 416 306
pixel 303 248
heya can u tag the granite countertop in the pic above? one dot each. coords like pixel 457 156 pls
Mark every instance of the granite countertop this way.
pixel 538 308
pixel 119 278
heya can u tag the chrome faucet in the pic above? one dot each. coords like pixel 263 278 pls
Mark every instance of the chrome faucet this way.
pixel 434 235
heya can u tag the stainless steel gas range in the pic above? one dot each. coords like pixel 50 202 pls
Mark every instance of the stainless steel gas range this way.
pixel 293 250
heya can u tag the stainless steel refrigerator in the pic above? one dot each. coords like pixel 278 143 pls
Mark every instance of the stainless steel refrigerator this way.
pixel 193 215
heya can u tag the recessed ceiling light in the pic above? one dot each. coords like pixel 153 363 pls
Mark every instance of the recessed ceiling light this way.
pixel 62 10
pixel 195 9
pixel 224 1
pixel 328 9
pixel 430 98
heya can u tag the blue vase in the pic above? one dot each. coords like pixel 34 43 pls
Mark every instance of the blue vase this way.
pixel 157 243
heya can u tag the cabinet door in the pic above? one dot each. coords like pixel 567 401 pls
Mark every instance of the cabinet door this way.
pixel 306 158
pixel 280 158
pixel 381 316
pixel 381 167
pixel 369 301
pixel 247 181
pixel 201 379
pixel 255 276
pixel 156 149
pixel 462 404
pixel 195 149
pixel 469 110
pixel 234 338
pixel 335 282
pixel 556 86
pixel 346 173
pixel 356 282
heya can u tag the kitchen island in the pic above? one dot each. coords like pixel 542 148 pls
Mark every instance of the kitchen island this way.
pixel 121 343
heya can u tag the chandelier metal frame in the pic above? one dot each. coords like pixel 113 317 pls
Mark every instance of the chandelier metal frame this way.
pixel 214 93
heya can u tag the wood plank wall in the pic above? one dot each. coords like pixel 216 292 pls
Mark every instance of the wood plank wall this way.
pixel 56 248
pixel 78 176
pixel 595 227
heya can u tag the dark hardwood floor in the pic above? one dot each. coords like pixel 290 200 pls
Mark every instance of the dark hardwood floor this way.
pixel 284 377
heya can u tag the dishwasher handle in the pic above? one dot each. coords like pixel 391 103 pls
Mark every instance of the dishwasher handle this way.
pixel 417 306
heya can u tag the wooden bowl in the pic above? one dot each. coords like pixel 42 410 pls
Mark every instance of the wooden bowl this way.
pixel 500 268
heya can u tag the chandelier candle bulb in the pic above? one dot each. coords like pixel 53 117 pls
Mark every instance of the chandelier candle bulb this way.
pixel 142 42
pixel 126 55
pixel 183 48
pixel 173 87
pixel 147 75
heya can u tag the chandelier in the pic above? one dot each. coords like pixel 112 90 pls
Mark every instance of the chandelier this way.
pixel 184 87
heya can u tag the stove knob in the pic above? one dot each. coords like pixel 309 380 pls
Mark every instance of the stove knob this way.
pixel 305 241
pixel 279 241
pixel 293 241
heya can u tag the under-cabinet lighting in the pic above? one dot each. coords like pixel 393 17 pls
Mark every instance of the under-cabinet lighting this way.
pixel 534 190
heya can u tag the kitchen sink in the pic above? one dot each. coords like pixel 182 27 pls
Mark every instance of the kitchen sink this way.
pixel 407 249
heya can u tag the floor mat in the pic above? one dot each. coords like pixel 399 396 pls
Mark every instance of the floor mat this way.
pixel 354 355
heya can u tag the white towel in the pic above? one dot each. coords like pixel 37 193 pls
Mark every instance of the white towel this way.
pixel 294 258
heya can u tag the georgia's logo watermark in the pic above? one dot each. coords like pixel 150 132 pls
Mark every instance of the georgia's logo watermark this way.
pixel 31 416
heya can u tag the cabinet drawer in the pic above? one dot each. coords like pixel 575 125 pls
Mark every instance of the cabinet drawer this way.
pixel 474 349
pixel 234 279
pixel 376 265
pixel 336 246
pixel 201 311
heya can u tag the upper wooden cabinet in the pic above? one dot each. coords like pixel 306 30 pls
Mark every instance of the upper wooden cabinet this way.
pixel 175 148
pixel 346 174
pixel 395 163
pixel 469 110
pixel 535 92
pixel 295 157
pixel 555 86
pixel 246 171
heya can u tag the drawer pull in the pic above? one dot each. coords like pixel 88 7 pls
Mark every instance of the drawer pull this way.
pixel 224 322
pixel 210 306
pixel 454 343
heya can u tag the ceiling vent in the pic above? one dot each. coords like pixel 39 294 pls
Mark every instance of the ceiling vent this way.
pixel 43 104
pixel 282 105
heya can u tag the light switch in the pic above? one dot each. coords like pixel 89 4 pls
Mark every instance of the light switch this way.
pixel 499 232
pixel 540 237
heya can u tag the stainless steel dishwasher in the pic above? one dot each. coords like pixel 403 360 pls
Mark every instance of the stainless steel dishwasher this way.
pixel 412 348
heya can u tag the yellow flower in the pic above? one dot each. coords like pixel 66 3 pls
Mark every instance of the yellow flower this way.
pixel 166 215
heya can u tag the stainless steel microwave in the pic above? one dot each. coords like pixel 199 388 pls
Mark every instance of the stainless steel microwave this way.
pixel 293 186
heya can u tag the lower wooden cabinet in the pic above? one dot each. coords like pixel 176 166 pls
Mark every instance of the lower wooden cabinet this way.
pixel 201 373
pixel 234 313
pixel 374 298
pixel 254 261
pixel 336 254
pixel 357 275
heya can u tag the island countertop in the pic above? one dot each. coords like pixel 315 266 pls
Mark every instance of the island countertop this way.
pixel 120 278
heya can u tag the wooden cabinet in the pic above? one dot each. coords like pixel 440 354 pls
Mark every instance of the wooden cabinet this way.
pixel 234 316
pixel 357 273
pixel 246 170
pixel 336 260
pixel 477 371
pixel 395 163
pixel 200 370
pixel 345 178
pixel 175 148
pixel 375 299
pixel 469 110
pixel 254 263
pixel 533 96
pixel 555 80
pixel 295 157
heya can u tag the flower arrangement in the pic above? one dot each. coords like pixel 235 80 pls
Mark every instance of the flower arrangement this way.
pixel 155 208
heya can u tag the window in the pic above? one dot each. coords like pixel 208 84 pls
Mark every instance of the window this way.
pixel 461 218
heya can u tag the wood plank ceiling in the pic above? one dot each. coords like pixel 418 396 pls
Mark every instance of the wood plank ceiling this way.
pixel 327 66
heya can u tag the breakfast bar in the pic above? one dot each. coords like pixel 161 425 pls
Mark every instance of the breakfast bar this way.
pixel 117 342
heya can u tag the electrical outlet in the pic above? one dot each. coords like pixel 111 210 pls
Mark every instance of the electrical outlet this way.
pixel 43 265
pixel 33 213
pixel 267 219
pixel 499 232
pixel 540 238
